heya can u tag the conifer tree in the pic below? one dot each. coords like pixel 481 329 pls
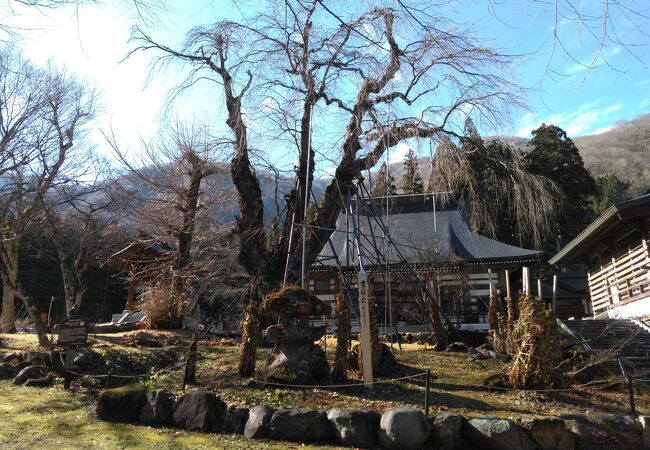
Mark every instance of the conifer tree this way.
pixel 412 181
pixel 385 184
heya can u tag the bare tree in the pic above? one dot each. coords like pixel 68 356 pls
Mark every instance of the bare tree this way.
pixel 388 73
pixel 372 76
pixel 78 221
pixel 41 113
pixel 180 183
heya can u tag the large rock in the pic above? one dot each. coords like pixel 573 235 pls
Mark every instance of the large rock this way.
pixel 29 372
pixel 200 411
pixel 86 359
pixel 457 347
pixel 644 421
pixel 235 421
pixel 549 433
pixel 122 404
pixel 493 433
pixel 7 371
pixel 157 409
pixel 257 426
pixel 301 426
pixel 42 358
pixel 403 428
pixel 40 382
pixel 301 363
pixel 13 358
pixel 354 427
pixel 21 365
pixel 604 431
pixel 447 432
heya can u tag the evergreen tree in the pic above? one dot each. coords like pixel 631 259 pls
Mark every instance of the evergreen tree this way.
pixel 611 190
pixel 385 184
pixel 555 156
pixel 503 200
pixel 430 182
pixel 412 180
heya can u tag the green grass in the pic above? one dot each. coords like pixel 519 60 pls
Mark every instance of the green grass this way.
pixel 454 388
pixel 57 419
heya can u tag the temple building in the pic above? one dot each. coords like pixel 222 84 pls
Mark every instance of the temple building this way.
pixel 613 250
pixel 432 243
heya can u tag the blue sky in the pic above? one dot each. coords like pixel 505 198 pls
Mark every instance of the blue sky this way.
pixel 583 91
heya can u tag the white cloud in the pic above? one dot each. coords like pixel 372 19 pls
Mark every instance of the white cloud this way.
pixel 398 153
pixel 602 130
pixel 588 118
pixel 575 68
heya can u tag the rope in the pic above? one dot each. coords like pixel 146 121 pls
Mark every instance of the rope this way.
pixel 325 386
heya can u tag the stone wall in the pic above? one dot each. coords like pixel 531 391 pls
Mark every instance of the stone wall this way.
pixel 397 428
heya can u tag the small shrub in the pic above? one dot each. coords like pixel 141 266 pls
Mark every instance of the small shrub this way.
pixel 163 305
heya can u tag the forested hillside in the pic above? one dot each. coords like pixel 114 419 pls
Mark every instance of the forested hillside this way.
pixel 623 151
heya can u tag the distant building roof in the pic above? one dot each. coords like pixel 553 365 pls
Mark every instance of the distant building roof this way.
pixel 422 233
pixel 610 223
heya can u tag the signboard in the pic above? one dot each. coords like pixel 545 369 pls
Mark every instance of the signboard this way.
pixel 73 331
pixel 364 319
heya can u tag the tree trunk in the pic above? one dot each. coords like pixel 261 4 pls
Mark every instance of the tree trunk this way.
pixel 439 332
pixel 68 289
pixel 248 349
pixel 39 326
pixel 8 319
pixel 340 367
pixel 9 282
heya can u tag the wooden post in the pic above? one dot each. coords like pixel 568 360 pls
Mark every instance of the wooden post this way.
pixel 364 319
pixel 525 280
pixel 108 380
pixel 554 301
pixel 630 388
pixel 130 296
pixel 490 281
pixel 426 393
pixel 539 288
pixel 508 284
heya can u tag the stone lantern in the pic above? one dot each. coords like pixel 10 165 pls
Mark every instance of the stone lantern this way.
pixel 295 358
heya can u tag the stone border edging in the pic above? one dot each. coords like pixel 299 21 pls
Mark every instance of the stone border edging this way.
pixel 397 428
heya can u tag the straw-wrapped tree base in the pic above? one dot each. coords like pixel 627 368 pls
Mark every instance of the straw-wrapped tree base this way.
pixel 248 347
pixel 340 367
pixel 534 339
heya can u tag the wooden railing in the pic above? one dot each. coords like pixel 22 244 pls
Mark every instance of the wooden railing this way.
pixel 624 280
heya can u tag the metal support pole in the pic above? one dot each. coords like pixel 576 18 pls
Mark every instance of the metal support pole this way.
pixel 554 301
pixel 426 393
pixel 187 365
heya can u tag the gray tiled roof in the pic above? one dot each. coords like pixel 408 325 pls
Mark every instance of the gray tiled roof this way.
pixel 420 235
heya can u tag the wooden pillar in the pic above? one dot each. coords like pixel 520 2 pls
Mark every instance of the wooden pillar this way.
pixel 525 278
pixel 490 281
pixel 508 284
pixel 130 296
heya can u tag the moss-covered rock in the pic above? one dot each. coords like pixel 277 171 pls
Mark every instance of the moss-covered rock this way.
pixel 122 404
pixel 294 301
